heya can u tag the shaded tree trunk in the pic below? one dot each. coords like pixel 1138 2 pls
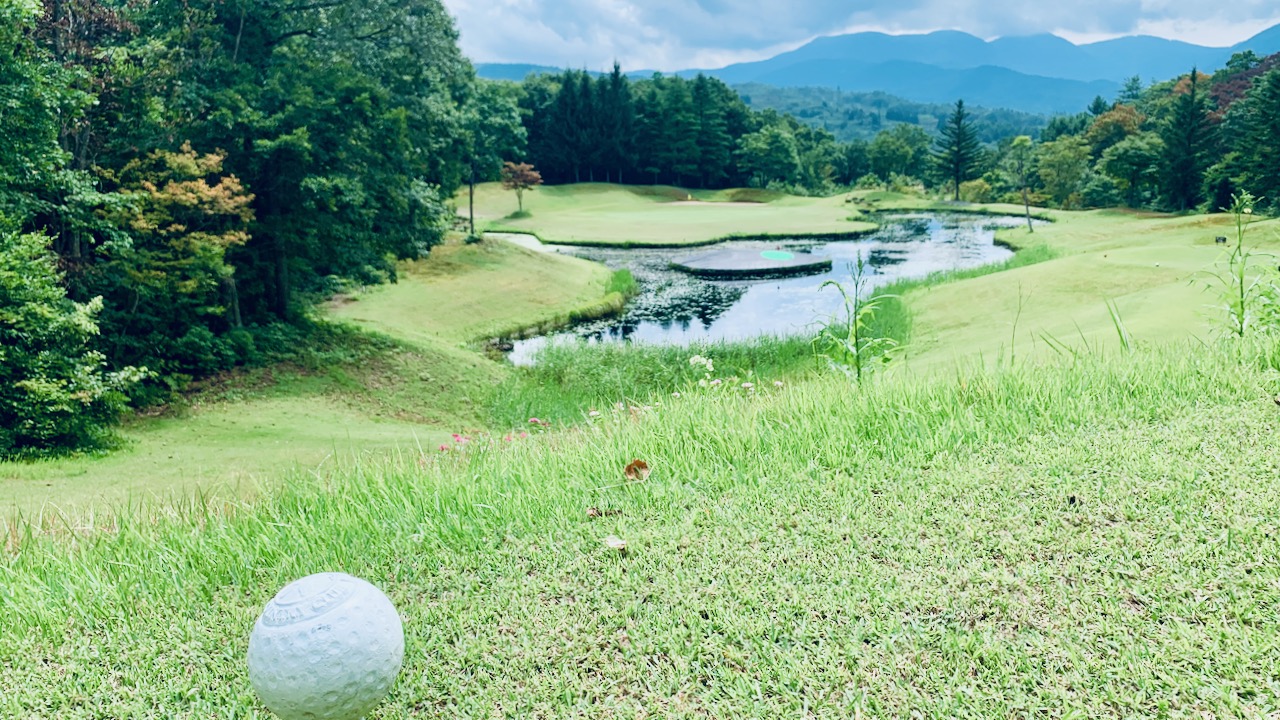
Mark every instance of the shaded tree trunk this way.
pixel 1026 206
pixel 471 202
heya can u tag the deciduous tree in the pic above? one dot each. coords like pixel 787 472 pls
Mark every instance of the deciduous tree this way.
pixel 520 177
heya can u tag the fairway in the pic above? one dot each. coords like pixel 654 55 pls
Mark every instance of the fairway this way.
pixel 649 216
pixel 1153 269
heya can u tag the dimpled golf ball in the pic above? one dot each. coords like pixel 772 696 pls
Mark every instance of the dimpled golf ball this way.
pixel 327 647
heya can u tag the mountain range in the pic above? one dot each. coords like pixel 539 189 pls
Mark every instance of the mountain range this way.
pixel 1033 73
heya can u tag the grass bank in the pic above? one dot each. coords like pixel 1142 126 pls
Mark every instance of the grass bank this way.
pixel 1149 268
pixel 1091 539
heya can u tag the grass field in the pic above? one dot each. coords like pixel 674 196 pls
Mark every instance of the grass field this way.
pixel 1086 541
pixel 598 214
pixel 1044 534
pixel 265 423
pixel 466 292
pixel 1152 268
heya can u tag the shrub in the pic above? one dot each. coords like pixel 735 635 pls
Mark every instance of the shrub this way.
pixel 55 395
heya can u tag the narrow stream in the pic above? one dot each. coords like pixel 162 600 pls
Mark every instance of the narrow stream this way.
pixel 674 307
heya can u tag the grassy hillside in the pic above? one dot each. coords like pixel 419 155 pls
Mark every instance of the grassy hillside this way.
pixel 252 428
pixel 1087 540
pixel 642 215
pixel 1152 268
pixel 465 292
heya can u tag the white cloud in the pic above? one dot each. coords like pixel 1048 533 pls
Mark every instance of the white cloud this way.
pixel 677 34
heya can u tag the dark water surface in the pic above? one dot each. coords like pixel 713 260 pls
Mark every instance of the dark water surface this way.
pixel 677 308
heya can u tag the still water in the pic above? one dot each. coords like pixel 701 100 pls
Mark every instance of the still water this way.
pixel 677 308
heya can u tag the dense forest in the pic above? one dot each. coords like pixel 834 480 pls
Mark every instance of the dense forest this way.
pixel 178 177
pixel 862 115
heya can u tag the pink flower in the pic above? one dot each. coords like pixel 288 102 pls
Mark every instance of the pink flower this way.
pixel 524 434
pixel 535 421
pixel 444 448
pixel 506 438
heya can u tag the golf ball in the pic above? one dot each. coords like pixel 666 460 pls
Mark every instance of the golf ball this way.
pixel 327 647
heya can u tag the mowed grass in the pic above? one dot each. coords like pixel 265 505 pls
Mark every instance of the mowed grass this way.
pixel 1093 539
pixel 467 292
pixel 258 426
pixel 1153 269
pixel 600 214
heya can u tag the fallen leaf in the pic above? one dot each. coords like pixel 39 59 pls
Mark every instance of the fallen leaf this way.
pixel 593 512
pixel 637 471
pixel 613 542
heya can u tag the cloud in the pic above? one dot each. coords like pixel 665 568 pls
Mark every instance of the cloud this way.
pixel 676 34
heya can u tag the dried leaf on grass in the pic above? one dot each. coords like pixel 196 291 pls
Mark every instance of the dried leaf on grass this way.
pixel 613 542
pixel 637 471
pixel 595 512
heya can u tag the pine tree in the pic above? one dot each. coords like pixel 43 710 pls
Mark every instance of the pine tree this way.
pixel 715 146
pixel 958 150
pixel 1187 137
pixel 1259 147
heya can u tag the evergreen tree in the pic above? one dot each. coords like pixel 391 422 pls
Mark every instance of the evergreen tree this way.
pixel 679 153
pixel 958 151
pixel 1259 144
pixel 617 121
pixel 1131 92
pixel 715 147
pixel 1187 136
pixel 1099 106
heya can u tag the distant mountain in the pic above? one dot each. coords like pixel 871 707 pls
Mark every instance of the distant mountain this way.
pixel 513 71
pixel 1034 73
pixel 992 87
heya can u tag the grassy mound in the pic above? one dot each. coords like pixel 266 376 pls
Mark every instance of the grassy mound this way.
pixel 1093 537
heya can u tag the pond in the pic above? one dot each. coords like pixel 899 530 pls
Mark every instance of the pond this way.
pixel 677 308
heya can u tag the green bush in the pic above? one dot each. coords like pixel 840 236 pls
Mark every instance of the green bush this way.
pixel 55 395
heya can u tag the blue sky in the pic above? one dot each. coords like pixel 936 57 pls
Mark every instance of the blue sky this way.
pixel 678 34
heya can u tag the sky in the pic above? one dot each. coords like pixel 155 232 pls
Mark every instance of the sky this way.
pixel 681 34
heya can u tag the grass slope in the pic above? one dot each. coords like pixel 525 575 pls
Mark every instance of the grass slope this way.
pixel 1085 540
pixel 256 426
pixel 467 292
pixel 1151 267
pixel 641 215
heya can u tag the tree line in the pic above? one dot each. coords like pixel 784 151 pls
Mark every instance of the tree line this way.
pixel 670 130
pixel 1187 144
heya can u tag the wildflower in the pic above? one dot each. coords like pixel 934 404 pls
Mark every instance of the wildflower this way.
pixel 748 386
pixel 535 421
pixel 524 434
pixel 715 382
pixel 506 438
pixel 594 413
pixel 675 394
pixel 777 383
pixel 444 448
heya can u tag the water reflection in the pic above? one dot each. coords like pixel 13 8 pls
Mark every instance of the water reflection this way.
pixel 674 307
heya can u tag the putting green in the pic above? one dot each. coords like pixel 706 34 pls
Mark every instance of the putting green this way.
pixel 777 255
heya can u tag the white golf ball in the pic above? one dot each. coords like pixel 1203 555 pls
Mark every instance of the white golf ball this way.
pixel 327 647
